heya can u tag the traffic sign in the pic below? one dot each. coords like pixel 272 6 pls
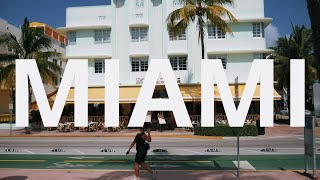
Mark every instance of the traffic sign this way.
pixel 10 106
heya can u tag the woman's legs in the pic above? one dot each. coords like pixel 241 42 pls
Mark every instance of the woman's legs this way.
pixel 136 169
pixel 146 167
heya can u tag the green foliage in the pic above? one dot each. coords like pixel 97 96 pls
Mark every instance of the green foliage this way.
pixel 298 45
pixel 33 44
pixel 201 12
pixel 225 130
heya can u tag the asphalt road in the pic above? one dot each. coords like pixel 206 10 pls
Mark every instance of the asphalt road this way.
pixel 170 162
pixel 181 153
pixel 174 146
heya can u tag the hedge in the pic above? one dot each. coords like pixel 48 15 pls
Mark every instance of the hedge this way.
pixel 225 130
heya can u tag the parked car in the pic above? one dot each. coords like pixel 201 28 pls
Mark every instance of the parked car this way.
pixel 286 113
pixel 309 113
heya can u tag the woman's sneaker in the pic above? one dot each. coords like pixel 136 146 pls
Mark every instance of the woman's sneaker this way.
pixel 154 175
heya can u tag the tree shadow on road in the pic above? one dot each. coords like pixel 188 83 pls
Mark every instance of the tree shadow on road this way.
pixel 14 178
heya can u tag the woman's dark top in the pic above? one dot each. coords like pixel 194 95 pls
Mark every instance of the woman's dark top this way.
pixel 141 151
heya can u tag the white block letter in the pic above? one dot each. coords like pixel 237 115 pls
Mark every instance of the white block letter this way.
pixel 112 93
pixel 145 102
pixel 75 70
pixel 297 92
pixel 212 72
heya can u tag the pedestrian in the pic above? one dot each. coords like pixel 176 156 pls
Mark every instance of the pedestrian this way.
pixel 142 148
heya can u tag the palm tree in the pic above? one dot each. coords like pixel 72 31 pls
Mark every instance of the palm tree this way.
pixel 33 44
pixel 201 11
pixel 297 46
pixel 314 13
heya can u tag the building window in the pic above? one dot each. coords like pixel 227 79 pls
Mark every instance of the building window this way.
pixel 139 3
pixel 176 2
pixel 178 63
pixel 215 32
pixel 55 61
pixel 180 36
pixel 139 34
pixel 102 36
pixel 72 38
pixel 139 64
pixel 258 56
pixel 222 57
pixel 257 29
pixel 99 66
pixel 60 63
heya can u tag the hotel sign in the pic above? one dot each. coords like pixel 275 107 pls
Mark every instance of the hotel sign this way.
pixel 159 81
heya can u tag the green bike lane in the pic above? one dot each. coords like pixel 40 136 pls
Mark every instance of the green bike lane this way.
pixel 159 162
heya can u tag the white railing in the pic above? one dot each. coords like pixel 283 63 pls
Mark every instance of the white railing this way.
pixel 223 118
pixel 123 120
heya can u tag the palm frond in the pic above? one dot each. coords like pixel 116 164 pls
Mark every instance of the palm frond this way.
pixel 33 39
pixel 11 43
pixel 44 55
pixel 7 76
pixel 219 2
pixel 179 19
pixel 215 14
pixel 48 65
pixel 8 58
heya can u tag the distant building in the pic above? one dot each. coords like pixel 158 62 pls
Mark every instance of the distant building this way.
pixel 6 27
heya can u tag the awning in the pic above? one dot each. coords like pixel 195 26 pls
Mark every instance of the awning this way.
pixel 129 94
pixel 193 93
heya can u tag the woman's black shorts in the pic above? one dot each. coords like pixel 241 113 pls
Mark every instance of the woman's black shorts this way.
pixel 140 157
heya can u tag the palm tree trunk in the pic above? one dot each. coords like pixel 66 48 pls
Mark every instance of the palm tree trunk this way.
pixel 201 34
pixel 202 46
pixel 314 13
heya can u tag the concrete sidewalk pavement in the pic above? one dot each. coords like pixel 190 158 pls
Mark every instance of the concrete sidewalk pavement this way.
pixel 277 130
pixel 23 174
pixel 181 133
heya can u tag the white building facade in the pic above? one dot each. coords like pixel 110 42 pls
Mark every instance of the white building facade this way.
pixel 136 31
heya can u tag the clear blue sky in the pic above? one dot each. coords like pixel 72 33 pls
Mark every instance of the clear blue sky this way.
pixel 52 12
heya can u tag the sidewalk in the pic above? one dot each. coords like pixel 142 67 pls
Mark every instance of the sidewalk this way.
pixel 277 130
pixel 179 132
pixel 17 174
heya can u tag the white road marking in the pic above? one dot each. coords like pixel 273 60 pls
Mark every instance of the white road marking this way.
pixel 85 157
pixel 79 151
pixel 30 152
pixel 244 165
pixel 195 152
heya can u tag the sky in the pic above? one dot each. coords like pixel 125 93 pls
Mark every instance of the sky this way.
pixel 53 13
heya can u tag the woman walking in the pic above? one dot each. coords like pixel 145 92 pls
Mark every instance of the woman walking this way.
pixel 142 148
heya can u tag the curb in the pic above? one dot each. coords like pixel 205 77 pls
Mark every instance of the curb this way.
pixel 106 136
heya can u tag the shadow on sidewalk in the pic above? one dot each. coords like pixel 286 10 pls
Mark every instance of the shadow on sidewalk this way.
pixel 196 175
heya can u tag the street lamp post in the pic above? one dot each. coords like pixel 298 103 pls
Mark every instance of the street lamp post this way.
pixel 11 109
pixel 238 139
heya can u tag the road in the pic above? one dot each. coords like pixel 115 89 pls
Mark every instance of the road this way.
pixel 181 153
pixel 174 146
